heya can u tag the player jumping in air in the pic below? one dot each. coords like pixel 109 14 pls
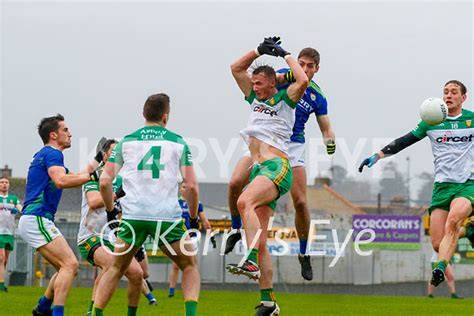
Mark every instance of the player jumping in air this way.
pixel 268 137
pixel 313 101
pixel 452 202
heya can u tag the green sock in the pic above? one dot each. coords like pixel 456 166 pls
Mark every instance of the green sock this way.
pixel 92 305
pixel 442 265
pixel 253 255
pixel 132 311
pixel 191 308
pixel 2 286
pixel 97 311
pixel 267 295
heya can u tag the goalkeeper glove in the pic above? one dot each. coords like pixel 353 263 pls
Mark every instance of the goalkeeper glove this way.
pixel 267 46
pixel 369 162
pixel 280 52
pixel 330 147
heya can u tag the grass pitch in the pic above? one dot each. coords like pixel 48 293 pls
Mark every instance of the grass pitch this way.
pixel 20 301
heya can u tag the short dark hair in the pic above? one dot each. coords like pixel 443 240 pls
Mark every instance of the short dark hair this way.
pixel 108 143
pixel 156 106
pixel 5 177
pixel 49 125
pixel 310 53
pixel 458 83
pixel 266 70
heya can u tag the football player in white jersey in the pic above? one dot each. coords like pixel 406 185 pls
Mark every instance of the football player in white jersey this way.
pixel 150 160
pixel 268 136
pixel 452 143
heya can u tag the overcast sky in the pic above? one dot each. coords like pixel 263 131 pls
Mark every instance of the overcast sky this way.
pixel 96 62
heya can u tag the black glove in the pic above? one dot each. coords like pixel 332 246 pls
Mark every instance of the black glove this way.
pixel 99 157
pixel 279 50
pixel 112 216
pixel 213 241
pixel 369 162
pixel 94 176
pixel 120 193
pixel 330 147
pixel 289 76
pixel 267 46
pixel 140 255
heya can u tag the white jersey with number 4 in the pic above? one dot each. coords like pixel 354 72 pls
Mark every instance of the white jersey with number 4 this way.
pixel 151 158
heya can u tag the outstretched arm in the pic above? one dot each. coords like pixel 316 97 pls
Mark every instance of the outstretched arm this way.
pixel 63 181
pixel 391 149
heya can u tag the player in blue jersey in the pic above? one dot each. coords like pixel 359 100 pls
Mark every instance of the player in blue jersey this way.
pixel 313 101
pixel 47 177
pixel 173 279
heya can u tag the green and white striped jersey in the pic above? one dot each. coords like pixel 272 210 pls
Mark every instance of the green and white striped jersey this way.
pixel 93 222
pixel 452 143
pixel 151 159
pixel 8 205
pixel 271 121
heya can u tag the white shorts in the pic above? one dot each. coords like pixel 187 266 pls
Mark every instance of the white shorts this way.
pixel 37 231
pixel 296 154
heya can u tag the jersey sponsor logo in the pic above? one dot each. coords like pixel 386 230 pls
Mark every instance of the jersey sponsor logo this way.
pixel 304 105
pixel 454 139
pixel 264 110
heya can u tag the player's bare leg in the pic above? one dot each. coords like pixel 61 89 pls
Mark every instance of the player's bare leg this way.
pixel 60 255
pixel 302 219
pixel 239 179
pixel 173 279
pixel 268 304
pixel 437 222
pixel 105 260
pixel 112 276
pixel 3 263
pixel 460 209
pixel 191 282
pixel 261 191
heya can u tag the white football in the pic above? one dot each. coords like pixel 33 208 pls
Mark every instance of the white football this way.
pixel 433 111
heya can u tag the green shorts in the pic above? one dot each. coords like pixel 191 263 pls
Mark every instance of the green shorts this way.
pixel 278 170
pixel 135 232
pixel 444 193
pixel 90 245
pixel 7 242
